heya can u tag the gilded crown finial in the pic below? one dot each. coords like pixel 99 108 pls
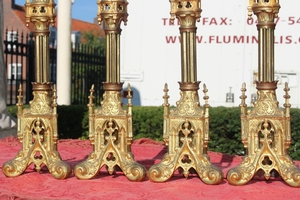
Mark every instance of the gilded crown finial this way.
pixel 271 6
pixel 42 10
pixel 113 12
pixel 192 6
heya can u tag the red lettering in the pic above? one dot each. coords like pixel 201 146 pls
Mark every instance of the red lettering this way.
pixel 199 38
pixel 223 21
pixel 280 40
pixel 211 38
pixel 213 21
pixel 237 39
pixel 204 20
pixel 171 39
pixel 277 20
pixel 232 39
pixel 288 39
pixel 226 39
pixel 170 22
pixel 254 39
pixel 164 21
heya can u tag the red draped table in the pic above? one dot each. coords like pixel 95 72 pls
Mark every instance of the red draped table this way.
pixel 33 185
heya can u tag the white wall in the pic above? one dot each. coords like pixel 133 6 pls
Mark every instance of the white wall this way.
pixel 145 51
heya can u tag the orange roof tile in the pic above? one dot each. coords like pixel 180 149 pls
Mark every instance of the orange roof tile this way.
pixel 77 25
pixel 20 12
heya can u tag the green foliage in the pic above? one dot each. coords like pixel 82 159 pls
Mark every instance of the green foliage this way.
pixel 295 132
pixel 92 39
pixel 85 126
pixel 225 126
pixel 13 110
pixel 88 67
pixel 69 121
pixel 225 130
pixel 147 122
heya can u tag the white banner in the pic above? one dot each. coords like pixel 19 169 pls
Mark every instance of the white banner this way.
pixel 226 51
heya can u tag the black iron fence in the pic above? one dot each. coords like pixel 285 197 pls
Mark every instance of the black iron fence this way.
pixel 87 68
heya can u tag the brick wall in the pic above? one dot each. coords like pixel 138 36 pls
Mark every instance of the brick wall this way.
pixel 11 19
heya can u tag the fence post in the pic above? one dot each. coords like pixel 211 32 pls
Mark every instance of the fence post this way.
pixel 30 68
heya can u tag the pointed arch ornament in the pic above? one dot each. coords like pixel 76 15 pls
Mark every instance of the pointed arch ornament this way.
pixel 266 131
pixel 110 133
pixel 186 127
pixel 37 125
pixel 110 126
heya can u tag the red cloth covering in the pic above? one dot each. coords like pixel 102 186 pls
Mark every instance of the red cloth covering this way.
pixel 32 185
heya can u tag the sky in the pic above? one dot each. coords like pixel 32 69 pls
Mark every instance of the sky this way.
pixel 85 10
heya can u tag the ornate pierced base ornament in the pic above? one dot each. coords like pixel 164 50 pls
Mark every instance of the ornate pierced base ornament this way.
pixel 110 132
pixel 266 137
pixel 37 131
pixel 186 128
pixel 186 133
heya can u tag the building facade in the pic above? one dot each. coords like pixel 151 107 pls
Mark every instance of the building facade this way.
pixel 227 52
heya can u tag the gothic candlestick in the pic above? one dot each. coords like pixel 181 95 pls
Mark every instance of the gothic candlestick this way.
pixel 266 131
pixel 37 126
pixel 110 127
pixel 186 128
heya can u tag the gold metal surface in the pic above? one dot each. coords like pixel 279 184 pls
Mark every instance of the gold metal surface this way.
pixel 187 12
pixel 266 131
pixel 42 14
pixel 110 126
pixel 186 127
pixel 266 11
pixel 112 12
pixel 266 135
pixel 37 125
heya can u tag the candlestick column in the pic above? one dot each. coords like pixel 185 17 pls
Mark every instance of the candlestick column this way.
pixel 110 126
pixel 37 125
pixel 266 128
pixel 186 127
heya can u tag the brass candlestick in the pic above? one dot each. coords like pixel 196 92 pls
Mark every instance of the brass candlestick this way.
pixel 110 127
pixel 186 127
pixel 266 131
pixel 37 126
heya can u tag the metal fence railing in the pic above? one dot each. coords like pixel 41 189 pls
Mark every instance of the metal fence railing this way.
pixel 88 67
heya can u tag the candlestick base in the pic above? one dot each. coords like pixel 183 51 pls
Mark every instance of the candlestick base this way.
pixel 37 131
pixel 110 132
pixel 186 133
pixel 267 138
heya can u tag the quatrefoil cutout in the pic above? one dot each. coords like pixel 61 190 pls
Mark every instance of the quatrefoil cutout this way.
pixel 267 161
pixel 186 159
pixel 110 157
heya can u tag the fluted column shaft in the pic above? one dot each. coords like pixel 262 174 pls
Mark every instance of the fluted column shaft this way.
pixel 188 48
pixel 112 12
pixel 41 51
pixel 266 14
pixel 113 55
pixel 266 47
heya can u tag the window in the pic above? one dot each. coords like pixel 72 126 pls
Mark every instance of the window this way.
pixel 132 76
pixel 52 37
pixel 290 77
pixel 12 36
pixel 75 38
pixel 14 71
